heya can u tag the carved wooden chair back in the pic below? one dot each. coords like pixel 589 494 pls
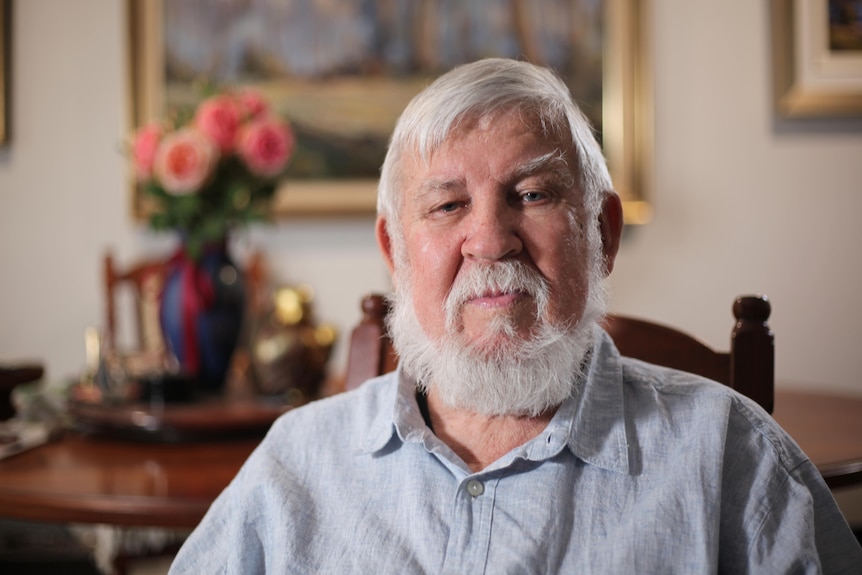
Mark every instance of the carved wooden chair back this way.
pixel 136 289
pixel 747 367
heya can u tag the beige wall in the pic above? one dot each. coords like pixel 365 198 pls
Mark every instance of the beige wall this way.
pixel 743 203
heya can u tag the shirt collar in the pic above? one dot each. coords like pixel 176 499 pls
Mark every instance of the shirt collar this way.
pixel 598 429
pixel 592 419
pixel 397 415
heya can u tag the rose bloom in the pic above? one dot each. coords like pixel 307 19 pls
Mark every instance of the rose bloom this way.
pixel 144 150
pixel 252 104
pixel 184 161
pixel 265 146
pixel 218 119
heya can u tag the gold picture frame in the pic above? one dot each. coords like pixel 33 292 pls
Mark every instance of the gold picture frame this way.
pixel 5 64
pixel 626 103
pixel 810 79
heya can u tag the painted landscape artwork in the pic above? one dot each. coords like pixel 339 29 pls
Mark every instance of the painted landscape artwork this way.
pixel 342 70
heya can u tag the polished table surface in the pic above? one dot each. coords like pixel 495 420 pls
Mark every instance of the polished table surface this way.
pixel 96 480
pixel 828 428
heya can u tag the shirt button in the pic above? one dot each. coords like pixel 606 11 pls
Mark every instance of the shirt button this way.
pixel 475 488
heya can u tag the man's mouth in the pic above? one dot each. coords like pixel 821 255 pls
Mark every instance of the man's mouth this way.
pixel 496 299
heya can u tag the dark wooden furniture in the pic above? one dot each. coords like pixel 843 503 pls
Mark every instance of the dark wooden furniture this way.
pixel 93 480
pixel 748 367
pixel 370 353
pixel 828 428
pixel 142 281
pixel 227 416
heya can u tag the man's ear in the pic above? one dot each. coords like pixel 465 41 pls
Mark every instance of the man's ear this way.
pixel 384 242
pixel 611 228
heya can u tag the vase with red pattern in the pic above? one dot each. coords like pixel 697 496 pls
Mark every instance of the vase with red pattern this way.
pixel 201 314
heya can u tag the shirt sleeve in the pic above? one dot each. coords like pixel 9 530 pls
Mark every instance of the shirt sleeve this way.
pixel 778 514
pixel 226 541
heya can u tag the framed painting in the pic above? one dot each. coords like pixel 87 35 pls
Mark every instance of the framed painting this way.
pixel 342 71
pixel 817 57
pixel 5 64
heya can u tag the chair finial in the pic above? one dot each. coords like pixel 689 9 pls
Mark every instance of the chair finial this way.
pixel 754 308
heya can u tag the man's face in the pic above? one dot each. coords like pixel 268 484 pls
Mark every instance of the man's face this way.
pixel 495 190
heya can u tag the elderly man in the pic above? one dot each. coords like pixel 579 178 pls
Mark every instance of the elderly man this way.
pixel 514 438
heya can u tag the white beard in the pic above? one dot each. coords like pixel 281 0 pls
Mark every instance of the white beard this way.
pixel 522 376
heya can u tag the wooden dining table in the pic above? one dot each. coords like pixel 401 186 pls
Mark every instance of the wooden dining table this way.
pixel 99 479
pixel 828 428
pixel 136 464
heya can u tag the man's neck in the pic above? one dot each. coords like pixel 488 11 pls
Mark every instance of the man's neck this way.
pixel 479 440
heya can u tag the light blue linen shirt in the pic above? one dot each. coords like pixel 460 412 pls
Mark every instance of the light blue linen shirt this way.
pixel 643 470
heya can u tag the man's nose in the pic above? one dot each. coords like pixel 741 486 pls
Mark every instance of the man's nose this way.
pixel 492 231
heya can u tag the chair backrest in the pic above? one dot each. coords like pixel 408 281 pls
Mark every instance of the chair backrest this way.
pixel 141 283
pixel 748 367
pixel 371 352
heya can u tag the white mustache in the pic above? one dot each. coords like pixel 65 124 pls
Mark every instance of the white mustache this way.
pixel 502 277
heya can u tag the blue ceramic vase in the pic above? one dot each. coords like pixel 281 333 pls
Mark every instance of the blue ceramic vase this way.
pixel 201 314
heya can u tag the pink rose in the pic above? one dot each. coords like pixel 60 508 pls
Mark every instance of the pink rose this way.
pixel 184 161
pixel 144 150
pixel 218 119
pixel 265 145
pixel 252 104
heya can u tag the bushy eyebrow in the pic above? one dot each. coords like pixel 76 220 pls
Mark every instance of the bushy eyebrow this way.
pixel 553 162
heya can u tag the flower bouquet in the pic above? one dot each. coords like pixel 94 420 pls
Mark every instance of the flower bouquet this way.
pixel 215 172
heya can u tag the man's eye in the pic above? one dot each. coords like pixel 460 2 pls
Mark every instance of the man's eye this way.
pixel 533 196
pixel 447 207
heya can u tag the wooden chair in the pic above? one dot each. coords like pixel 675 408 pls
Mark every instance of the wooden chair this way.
pixel 371 352
pixel 748 367
pixel 142 282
